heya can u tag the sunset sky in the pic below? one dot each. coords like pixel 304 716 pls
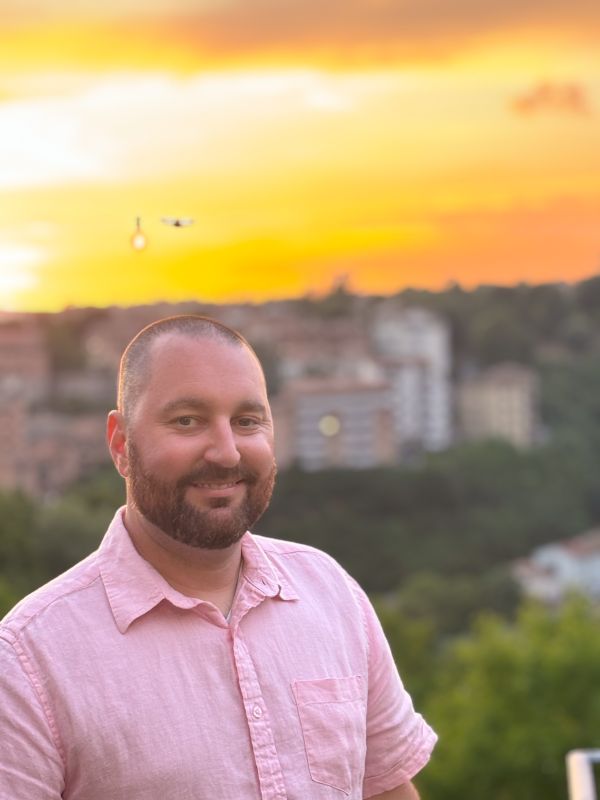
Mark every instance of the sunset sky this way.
pixel 400 143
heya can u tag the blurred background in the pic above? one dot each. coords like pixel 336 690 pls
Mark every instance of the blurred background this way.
pixel 398 204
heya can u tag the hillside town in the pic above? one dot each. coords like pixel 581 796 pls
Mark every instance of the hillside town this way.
pixel 481 408
pixel 374 386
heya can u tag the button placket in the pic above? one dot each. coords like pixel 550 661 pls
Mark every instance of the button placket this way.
pixel 269 771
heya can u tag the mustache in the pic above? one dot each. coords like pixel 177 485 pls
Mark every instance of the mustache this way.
pixel 214 473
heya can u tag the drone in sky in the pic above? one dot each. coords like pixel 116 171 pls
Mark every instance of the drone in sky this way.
pixel 139 240
pixel 177 222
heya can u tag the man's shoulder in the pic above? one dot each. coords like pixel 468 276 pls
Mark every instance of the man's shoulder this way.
pixel 308 573
pixel 282 547
pixel 301 555
pixel 51 596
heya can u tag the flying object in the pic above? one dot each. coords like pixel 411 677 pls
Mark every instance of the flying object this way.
pixel 177 222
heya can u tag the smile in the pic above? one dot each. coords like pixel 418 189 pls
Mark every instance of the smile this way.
pixel 216 485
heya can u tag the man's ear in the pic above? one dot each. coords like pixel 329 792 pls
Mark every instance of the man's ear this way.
pixel 117 442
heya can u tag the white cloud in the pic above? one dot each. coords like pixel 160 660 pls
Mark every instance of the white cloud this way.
pixel 17 266
pixel 122 126
pixel 46 142
pixel 325 99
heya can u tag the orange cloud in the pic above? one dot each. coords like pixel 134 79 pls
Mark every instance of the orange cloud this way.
pixel 327 31
pixel 377 31
pixel 570 98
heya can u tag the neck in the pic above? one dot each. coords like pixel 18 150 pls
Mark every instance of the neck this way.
pixel 206 574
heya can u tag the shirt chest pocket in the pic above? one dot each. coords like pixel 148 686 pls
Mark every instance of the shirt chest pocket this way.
pixel 333 718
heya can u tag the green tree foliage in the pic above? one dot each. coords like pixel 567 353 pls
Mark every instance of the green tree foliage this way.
pixel 39 541
pixel 338 302
pixel 416 647
pixel 570 397
pixel 17 516
pixel 462 512
pixel 65 344
pixel 20 567
pixel 67 532
pixel 100 493
pixel 71 527
pixel 269 358
pixel 496 323
pixel 509 701
pixel 453 602
pixel 65 336
pixel 9 596
pixel 587 296
pixel 429 608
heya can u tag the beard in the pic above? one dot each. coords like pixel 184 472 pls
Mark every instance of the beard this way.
pixel 164 503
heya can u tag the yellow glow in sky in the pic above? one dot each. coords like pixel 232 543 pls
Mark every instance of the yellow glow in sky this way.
pixel 415 160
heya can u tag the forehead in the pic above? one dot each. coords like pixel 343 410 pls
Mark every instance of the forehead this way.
pixel 203 367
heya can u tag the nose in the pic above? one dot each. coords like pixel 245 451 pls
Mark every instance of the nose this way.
pixel 222 445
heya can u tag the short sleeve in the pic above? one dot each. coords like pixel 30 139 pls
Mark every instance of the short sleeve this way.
pixel 31 767
pixel 399 741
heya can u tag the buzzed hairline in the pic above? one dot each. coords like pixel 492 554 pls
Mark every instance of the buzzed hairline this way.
pixel 137 357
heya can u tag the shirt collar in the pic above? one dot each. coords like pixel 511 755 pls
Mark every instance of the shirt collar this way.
pixel 134 587
pixel 262 572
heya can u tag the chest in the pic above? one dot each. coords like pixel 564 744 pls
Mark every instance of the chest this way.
pixel 178 703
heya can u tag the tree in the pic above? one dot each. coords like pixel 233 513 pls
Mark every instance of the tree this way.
pixel 415 646
pixel 20 567
pixel 587 295
pixel 451 603
pixel 68 531
pixel 510 701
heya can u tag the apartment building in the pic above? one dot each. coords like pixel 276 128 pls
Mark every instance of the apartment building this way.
pixel 413 347
pixel 366 395
pixel 334 423
pixel 500 402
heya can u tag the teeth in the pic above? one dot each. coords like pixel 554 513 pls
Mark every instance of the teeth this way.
pixel 215 485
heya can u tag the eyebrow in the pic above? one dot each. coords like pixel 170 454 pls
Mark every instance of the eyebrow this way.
pixel 196 404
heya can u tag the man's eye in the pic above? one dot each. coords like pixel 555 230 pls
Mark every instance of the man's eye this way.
pixel 247 422
pixel 185 422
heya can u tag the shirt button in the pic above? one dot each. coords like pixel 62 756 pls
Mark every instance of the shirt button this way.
pixel 257 712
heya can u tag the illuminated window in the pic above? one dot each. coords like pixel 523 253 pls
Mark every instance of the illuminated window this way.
pixel 329 425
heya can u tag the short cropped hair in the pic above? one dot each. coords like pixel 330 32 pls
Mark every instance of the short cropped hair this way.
pixel 135 361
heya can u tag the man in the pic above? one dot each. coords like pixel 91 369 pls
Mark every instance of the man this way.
pixel 188 659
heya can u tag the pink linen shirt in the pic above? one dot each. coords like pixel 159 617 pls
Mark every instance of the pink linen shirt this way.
pixel 115 686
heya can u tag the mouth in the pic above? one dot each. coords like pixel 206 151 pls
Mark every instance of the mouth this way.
pixel 217 489
pixel 216 486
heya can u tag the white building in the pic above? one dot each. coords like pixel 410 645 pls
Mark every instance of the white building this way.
pixel 555 569
pixel 413 345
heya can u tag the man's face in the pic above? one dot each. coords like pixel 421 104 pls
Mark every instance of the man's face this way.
pixel 199 451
